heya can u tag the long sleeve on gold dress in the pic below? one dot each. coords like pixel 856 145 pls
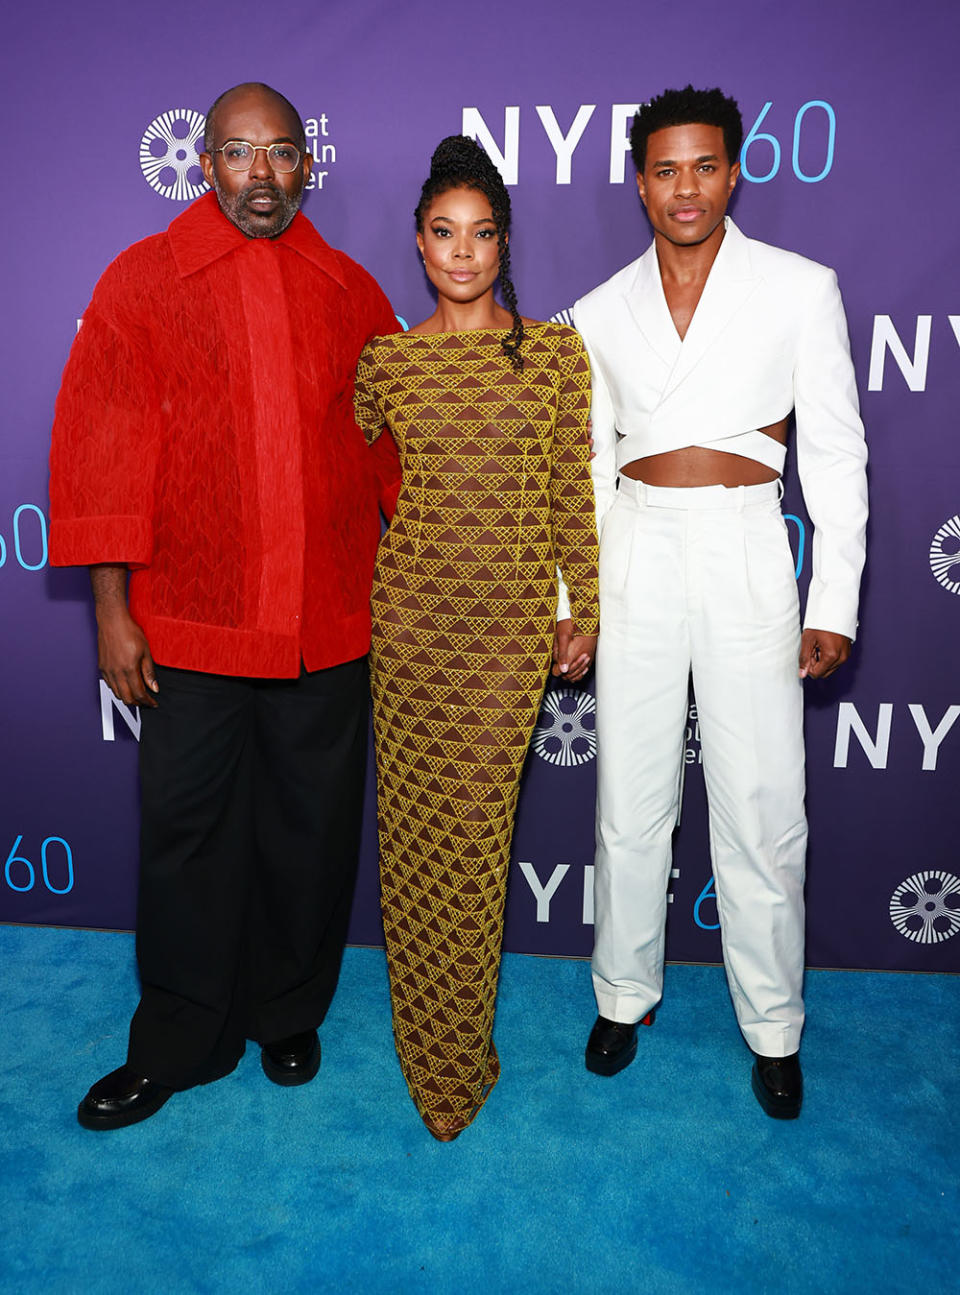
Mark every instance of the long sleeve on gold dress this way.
pixel 496 494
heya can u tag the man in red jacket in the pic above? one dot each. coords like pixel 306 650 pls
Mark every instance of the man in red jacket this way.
pixel 205 451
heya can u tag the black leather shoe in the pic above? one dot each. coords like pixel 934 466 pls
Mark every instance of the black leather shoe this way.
pixel 613 1045
pixel 291 1061
pixel 778 1085
pixel 123 1097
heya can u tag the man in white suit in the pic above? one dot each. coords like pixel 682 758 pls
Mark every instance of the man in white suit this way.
pixel 701 349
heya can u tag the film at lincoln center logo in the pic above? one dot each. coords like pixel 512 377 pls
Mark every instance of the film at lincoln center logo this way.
pixel 945 555
pixel 926 907
pixel 566 731
pixel 169 156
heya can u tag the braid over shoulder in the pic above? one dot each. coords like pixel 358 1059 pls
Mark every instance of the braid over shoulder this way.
pixel 459 162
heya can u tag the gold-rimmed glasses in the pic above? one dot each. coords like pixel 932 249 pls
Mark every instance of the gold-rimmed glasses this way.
pixel 238 155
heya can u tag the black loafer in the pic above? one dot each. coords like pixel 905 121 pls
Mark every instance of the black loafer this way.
pixel 612 1045
pixel 123 1097
pixel 291 1061
pixel 778 1085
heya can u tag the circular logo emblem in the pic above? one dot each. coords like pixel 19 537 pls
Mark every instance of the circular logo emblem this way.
pixel 945 555
pixel 168 154
pixel 566 732
pixel 926 907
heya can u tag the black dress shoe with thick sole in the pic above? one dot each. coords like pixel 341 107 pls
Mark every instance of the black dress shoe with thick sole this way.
pixel 123 1097
pixel 613 1044
pixel 778 1085
pixel 291 1061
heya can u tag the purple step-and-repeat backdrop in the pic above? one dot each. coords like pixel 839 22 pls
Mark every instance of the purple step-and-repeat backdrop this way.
pixel 849 158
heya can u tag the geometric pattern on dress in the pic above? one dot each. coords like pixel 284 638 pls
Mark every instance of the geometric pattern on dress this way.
pixel 496 494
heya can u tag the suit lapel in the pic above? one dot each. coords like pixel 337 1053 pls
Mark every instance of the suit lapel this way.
pixel 649 309
pixel 729 286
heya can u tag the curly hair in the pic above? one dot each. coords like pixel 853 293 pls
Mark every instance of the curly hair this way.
pixel 459 162
pixel 682 108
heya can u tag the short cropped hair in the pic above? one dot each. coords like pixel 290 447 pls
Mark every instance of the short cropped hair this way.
pixel 298 136
pixel 684 108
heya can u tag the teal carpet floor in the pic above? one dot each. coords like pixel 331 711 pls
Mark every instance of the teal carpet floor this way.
pixel 667 1178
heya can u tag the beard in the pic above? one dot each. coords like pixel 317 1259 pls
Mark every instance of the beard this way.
pixel 255 224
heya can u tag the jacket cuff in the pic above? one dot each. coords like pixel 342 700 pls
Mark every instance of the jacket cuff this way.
pixel 563 598
pixel 831 610
pixel 87 541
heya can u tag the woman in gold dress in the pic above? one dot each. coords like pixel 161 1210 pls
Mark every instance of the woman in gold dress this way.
pixel 489 414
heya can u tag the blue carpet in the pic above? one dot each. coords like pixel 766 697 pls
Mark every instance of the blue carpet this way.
pixel 667 1178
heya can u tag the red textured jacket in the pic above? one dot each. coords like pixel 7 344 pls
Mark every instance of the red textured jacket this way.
pixel 204 435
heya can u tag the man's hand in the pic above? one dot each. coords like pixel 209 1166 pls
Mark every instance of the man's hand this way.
pixel 822 652
pixel 123 653
pixel 572 653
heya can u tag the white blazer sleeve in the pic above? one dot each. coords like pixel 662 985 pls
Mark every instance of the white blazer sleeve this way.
pixel 831 460
pixel 603 421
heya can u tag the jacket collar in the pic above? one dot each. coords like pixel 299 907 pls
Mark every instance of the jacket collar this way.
pixel 202 234
pixel 731 281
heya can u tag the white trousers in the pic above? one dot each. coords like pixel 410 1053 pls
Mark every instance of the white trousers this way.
pixel 701 580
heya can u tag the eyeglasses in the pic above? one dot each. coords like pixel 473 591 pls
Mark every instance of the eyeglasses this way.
pixel 238 155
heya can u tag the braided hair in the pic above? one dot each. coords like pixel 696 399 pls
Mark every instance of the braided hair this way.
pixel 459 162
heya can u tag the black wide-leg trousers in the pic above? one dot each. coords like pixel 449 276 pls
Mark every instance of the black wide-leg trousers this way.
pixel 251 801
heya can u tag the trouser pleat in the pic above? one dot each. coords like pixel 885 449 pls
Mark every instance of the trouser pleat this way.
pixel 707 593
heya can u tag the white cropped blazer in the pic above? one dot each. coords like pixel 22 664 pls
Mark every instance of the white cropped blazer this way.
pixel 769 335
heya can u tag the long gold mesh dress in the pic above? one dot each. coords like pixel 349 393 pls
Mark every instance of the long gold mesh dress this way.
pixel 496 493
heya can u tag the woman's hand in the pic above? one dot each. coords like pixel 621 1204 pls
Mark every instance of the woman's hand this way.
pixel 572 653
